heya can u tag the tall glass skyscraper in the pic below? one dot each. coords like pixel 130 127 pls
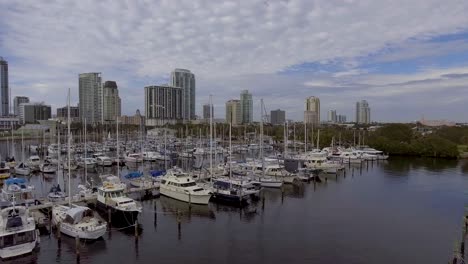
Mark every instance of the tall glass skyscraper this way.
pixel 246 107
pixel 111 101
pixel 362 112
pixel 4 90
pixel 186 80
pixel 90 93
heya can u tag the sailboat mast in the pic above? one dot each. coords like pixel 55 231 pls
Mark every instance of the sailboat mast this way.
pixel 68 150
pixel 211 138
pixel 261 138
pixel 22 145
pixel 305 136
pixel 118 147
pixel 85 151
pixel 230 150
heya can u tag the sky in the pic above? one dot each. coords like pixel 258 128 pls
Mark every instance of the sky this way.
pixel 408 59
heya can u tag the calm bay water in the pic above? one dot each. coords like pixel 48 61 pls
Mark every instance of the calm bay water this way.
pixel 404 210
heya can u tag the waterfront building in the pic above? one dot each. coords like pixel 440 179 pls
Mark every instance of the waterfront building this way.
pixel 233 112
pixel 363 115
pixel 16 103
pixel 30 113
pixel 277 117
pixel 163 104
pixel 135 120
pixel 312 111
pixel 7 122
pixel 62 113
pixel 90 97
pixel 111 101
pixel 246 107
pixel 185 80
pixel 4 89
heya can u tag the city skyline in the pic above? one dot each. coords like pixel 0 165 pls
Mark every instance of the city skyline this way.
pixel 398 66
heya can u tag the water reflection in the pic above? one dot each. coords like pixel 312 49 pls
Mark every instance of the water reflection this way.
pixel 171 207
pixel 464 167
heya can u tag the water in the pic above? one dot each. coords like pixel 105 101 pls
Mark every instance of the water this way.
pixel 404 210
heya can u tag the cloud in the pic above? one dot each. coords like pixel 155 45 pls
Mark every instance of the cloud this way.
pixel 229 45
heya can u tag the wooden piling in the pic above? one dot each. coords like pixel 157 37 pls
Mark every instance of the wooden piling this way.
pixel 263 202
pixel 77 248
pixel 190 200
pixel 58 232
pixel 109 218
pixel 155 214
pixel 179 225
pixel 136 229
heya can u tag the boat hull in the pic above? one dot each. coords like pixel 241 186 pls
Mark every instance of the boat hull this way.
pixel 118 217
pixel 19 250
pixel 184 197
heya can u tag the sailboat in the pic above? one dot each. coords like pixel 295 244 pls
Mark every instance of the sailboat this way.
pixel 22 168
pixel 266 181
pixel 55 194
pixel 225 189
pixel 76 221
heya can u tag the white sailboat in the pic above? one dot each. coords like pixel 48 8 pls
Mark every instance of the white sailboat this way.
pixel 22 168
pixel 76 221
pixel 55 194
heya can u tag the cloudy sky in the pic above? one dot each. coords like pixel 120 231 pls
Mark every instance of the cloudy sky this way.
pixel 406 58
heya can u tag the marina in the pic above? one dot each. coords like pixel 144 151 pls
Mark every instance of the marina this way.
pixel 160 216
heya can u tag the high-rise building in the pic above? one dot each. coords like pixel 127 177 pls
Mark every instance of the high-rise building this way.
pixel 17 101
pixel 30 113
pixel 312 111
pixel 332 117
pixel 90 93
pixel 246 107
pixel 278 117
pixel 163 104
pixel 363 115
pixel 341 119
pixel 62 113
pixel 111 101
pixel 207 110
pixel 186 80
pixel 4 90
pixel 233 112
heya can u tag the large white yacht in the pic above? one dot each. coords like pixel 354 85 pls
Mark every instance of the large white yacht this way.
pixel 78 221
pixel 319 161
pixel 181 186
pixel 134 158
pixel 111 196
pixel 18 234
